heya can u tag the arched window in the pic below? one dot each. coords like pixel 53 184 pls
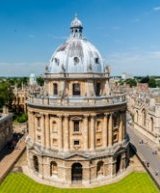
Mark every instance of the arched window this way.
pixel 76 89
pixel 55 89
pixel 99 125
pixel 137 116
pixel 77 172
pixel 118 163
pixel 54 127
pixel 152 124
pixel 97 60
pixel 35 163
pixel 143 117
pixel 98 88
pixel 100 168
pixel 76 124
pixel 38 121
pixel 115 119
pixel 53 168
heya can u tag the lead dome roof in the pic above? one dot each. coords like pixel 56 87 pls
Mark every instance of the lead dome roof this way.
pixel 76 55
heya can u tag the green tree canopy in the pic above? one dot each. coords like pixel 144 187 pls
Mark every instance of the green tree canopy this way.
pixel 6 94
pixel 40 81
pixel 131 82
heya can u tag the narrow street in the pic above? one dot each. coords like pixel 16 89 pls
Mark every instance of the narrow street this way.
pixel 146 151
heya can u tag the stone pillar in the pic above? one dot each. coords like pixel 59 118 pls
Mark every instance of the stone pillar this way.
pixel 86 133
pixel 123 163
pixel 110 130
pixel 43 129
pixel 105 130
pixel 47 131
pixel 124 125
pixel 92 132
pixel 121 128
pixel 31 124
pixel 66 132
pixel 60 132
pixel 113 168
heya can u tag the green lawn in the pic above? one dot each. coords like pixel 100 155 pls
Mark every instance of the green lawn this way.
pixel 133 183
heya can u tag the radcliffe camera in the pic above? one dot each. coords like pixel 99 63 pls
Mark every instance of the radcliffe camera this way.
pixel 79 96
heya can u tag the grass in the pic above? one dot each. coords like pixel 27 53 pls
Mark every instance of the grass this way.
pixel 136 182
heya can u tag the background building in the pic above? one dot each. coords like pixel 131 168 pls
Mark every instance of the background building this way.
pixel 6 129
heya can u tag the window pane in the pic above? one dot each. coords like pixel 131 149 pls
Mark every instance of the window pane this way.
pixel 55 89
pixel 98 88
pixel 76 126
pixel 76 89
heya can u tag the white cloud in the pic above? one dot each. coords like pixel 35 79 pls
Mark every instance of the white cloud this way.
pixel 21 68
pixel 136 63
pixel 156 8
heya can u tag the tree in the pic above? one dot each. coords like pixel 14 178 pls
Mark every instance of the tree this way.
pixel 145 79
pixel 40 81
pixel 131 82
pixel 6 94
pixel 152 83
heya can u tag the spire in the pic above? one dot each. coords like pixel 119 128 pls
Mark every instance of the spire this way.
pixel 76 27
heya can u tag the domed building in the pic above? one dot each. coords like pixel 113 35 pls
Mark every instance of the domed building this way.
pixel 77 126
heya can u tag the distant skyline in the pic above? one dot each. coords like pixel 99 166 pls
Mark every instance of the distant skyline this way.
pixel 126 32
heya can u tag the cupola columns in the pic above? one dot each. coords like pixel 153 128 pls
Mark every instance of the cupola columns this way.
pixel 76 28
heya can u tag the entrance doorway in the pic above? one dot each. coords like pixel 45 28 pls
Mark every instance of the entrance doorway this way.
pixel 118 163
pixel 76 173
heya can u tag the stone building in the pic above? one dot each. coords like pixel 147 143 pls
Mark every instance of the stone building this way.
pixel 19 103
pixel 77 126
pixel 145 110
pixel 6 129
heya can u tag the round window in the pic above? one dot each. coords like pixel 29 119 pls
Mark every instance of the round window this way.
pixel 76 60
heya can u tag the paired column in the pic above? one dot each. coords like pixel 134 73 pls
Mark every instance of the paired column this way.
pixel 92 132
pixel 47 130
pixel 121 128
pixel 66 132
pixel 105 130
pixel 110 130
pixel 124 124
pixel 60 132
pixel 31 125
pixel 43 128
pixel 85 134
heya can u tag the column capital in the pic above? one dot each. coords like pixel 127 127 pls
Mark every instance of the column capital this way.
pixel 86 115
pixel 93 114
pixel 65 115
pixel 46 114
pixel 60 115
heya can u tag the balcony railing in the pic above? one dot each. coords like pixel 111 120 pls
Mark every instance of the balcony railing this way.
pixel 76 101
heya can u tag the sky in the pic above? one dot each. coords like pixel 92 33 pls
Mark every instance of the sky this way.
pixel 126 32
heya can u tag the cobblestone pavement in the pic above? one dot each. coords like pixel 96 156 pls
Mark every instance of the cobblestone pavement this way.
pixel 146 152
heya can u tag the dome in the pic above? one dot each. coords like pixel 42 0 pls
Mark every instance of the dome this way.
pixel 76 55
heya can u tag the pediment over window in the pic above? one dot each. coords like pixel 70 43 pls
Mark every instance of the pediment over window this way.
pixel 76 118
pixel 77 157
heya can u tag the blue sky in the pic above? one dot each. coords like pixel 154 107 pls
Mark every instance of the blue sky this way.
pixel 126 32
